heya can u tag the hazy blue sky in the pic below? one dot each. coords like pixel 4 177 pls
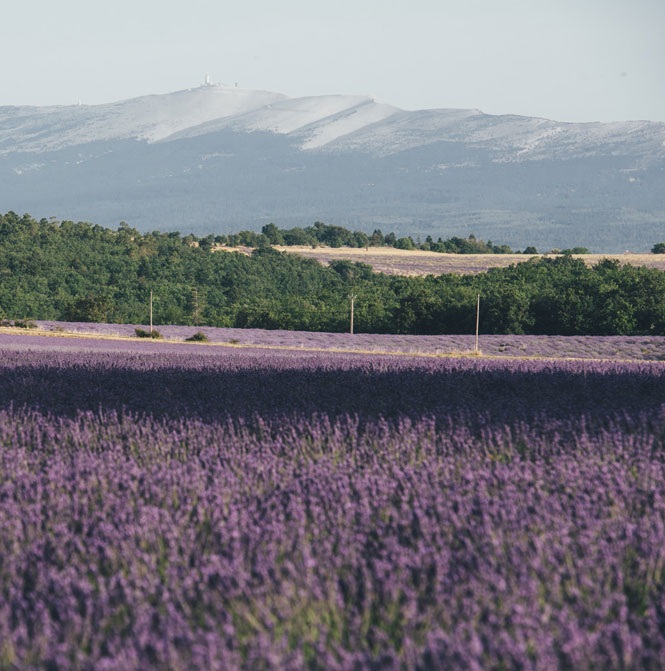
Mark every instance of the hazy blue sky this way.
pixel 569 60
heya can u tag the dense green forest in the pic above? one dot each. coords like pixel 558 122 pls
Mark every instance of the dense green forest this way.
pixel 84 272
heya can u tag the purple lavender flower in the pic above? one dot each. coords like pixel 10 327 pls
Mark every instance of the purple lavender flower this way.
pixel 169 506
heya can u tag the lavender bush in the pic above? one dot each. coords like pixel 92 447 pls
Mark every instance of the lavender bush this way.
pixel 190 507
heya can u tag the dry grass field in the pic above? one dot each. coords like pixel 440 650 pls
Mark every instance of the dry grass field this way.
pixel 402 262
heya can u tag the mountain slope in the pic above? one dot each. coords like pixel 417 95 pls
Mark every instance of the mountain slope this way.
pixel 151 118
pixel 218 158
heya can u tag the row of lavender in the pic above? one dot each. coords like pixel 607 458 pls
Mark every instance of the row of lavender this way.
pixel 218 384
pixel 647 348
pixel 244 510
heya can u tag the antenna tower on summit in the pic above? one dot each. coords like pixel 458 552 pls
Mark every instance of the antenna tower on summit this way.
pixel 207 80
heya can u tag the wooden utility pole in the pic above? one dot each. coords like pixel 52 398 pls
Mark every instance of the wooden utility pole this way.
pixel 150 311
pixel 353 298
pixel 477 323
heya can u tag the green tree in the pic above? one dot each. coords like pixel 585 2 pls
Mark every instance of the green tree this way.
pixel 404 243
pixel 273 234
pixel 91 308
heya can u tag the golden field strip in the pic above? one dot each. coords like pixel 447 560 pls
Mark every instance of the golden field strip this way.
pixel 415 262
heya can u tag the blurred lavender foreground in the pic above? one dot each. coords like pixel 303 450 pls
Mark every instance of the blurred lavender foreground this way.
pixel 187 507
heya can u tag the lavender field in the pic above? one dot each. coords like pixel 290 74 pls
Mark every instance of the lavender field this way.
pixel 169 506
pixel 637 348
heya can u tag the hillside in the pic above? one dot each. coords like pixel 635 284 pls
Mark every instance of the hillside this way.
pixel 218 158
pixel 83 272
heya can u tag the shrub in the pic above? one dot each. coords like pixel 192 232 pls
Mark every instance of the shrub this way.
pixel 199 336
pixel 24 324
pixel 142 333
pixel 575 250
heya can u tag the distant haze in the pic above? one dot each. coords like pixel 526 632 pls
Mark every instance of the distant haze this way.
pixel 596 60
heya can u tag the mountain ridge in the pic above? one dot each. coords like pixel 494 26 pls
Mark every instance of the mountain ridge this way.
pixel 220 158
pixel 164 117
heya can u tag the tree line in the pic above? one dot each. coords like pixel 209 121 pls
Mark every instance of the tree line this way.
pixel 84 272
pixel 338 236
